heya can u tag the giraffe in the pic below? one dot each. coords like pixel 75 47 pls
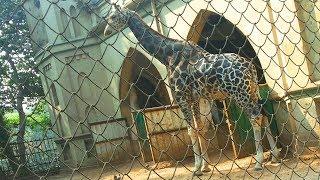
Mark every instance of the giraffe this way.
pixel 195 74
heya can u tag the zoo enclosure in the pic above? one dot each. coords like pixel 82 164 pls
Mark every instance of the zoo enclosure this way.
pixel 101 90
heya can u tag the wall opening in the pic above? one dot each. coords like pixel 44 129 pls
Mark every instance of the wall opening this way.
pixel 140 79
pixel 65 23
pixel 148 95
pixel 85 20
pixel 221 36
pixel 75 24
pixel 218 35
pixel 140 74
pixel 59 125
pixel 54 95
pixel 317 104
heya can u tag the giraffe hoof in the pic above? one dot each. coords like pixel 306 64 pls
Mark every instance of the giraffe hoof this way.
pixel 258 168
pixel 275 156
pixel 275 160
pixel 206 169
pixel 197 173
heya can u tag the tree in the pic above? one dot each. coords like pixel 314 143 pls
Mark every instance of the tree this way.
pixel 19 79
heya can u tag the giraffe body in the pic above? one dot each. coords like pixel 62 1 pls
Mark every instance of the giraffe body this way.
pixel 196 74
pixel 216 77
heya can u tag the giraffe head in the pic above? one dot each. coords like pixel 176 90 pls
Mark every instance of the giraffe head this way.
pixel 117 19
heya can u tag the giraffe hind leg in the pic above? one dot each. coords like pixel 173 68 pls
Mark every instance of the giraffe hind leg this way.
pixel 275 152
pixel 273 145
pixel 256 125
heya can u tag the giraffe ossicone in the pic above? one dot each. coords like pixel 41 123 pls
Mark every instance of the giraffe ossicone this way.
pixel 195 74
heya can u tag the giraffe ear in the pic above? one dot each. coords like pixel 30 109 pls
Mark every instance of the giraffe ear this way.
pixel 107 31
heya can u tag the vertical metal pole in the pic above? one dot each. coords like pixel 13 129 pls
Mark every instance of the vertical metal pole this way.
pixel 225 110
pixel 156 15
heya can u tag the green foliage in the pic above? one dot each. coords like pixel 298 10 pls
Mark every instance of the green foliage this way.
pixel 18 75
pixel 11 119
pixel 39 117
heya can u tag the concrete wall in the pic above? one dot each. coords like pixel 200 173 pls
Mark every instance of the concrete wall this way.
pixel 308 128
pixel 37 27
pixel 47 25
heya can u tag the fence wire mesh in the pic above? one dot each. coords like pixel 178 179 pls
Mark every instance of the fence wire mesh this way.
pixel 82 101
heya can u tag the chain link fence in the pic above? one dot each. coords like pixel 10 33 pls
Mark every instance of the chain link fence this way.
pixel 82 101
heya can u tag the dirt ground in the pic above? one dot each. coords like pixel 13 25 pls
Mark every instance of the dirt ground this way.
pixel 305 167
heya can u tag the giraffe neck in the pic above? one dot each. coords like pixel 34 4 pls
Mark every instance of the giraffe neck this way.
pixel 156 44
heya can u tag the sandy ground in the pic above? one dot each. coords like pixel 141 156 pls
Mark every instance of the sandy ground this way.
pixel 305 167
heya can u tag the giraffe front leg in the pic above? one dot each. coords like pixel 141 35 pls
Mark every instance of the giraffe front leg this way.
pixel 196 150
pixel 187 112
pixel 204 151
pixel 256 125
pixel 202 124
